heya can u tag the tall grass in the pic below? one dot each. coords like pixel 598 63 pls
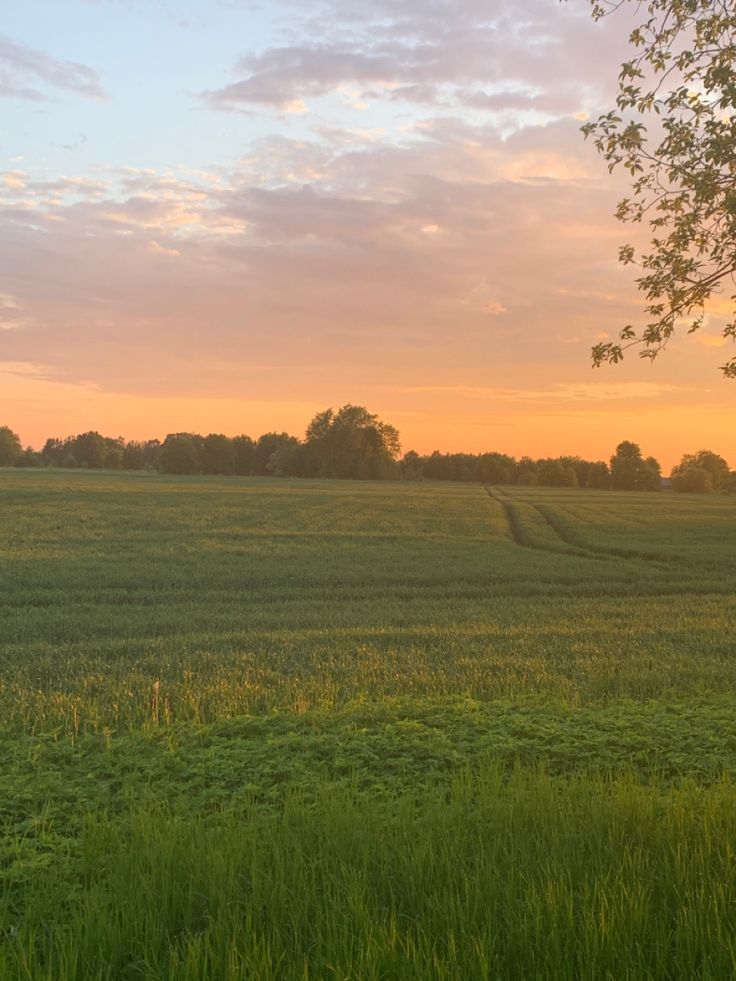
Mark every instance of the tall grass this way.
pixel 527 877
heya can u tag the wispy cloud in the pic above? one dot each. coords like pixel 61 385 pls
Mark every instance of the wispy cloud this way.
pixel 11 315
pixel 511 58
pixel 398 258
pixel 571 392
pixel 27 73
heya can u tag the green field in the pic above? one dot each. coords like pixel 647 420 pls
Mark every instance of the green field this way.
pixel 258 728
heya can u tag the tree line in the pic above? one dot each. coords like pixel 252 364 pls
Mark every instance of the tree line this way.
pixel 352 443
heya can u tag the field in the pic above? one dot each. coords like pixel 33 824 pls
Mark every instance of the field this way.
pixel 280 729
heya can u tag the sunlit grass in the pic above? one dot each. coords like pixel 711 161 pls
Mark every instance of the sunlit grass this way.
pixel 256 728
pixel 488 877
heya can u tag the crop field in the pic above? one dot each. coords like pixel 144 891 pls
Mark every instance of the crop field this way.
pixel 276 729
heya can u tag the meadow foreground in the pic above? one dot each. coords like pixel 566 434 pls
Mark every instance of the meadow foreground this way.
pixel 260 728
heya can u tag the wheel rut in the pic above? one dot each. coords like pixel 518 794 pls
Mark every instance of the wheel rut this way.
pixel 568 544
pixel 516 528
pixel 564 535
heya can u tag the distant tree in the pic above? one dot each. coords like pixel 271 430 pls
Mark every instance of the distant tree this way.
pixel 265 447
pixel 89 450
pixel 526 472
pixel 151 450
pixel 243 447
pixel 495 468
pixel 626 466
pixel 589 474
pixel 54 451
pixel 133 456
pixel 581 468
pixel 218 454
pixel 10 448
pixel 599 476
pixel 180 454
pixel 454 466
pixel 692 480
pixel 706 460
pixel 556 473
pixel 652 475
pixel 351 443
pixel 500 468
pixel 433 466
pixel 29 459
pixel 287 460
pixel 141 456
pixel 321 449
pixel 630 472
pixel 412 466
pixel 114 452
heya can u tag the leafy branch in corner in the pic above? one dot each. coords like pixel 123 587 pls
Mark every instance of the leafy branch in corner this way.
pixel 682 166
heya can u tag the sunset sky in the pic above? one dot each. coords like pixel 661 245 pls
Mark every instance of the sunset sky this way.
pixel 222 215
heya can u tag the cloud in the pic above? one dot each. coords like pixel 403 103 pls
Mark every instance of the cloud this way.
pixel 711 340
pixel 312 257
pixel 11 316
pixel 283 77
pixel 574 392
pixel 27 73
pixel 512 57
pixel 452 251
pixel 157 249
pixel 15 180
pixel 23 368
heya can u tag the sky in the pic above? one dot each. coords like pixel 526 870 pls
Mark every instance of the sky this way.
pixel 225 216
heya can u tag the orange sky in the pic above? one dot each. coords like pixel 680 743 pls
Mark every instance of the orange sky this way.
pixel 388 204
pixel 551 422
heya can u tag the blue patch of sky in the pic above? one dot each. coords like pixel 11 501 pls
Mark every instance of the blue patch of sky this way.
pixel 153 59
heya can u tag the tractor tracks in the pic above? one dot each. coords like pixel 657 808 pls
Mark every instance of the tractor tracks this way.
pixel 513 519
pixel 520 535
pixel 565 540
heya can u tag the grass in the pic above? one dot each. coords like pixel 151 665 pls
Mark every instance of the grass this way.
pixel 519 878
pixel 303 729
